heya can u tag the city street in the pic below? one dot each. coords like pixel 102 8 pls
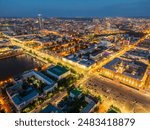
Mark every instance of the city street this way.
pixel 4 104
pixel 117 94
pixel 113 92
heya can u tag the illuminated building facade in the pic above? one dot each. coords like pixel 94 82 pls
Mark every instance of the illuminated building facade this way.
pixel 40 21
pixel 133 74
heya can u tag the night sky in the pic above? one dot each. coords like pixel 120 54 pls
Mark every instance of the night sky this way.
pixel 75 8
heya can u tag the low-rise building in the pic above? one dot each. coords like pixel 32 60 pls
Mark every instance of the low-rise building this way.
pixel 51 109
pixel 84 63
pixel 76 93
pixel 50 84
pixel 32 85
pixel 58 72
pixel 131 73
pixel 92 103
pixel 20 96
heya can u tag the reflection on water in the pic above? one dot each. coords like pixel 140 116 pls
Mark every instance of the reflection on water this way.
pixel 16 65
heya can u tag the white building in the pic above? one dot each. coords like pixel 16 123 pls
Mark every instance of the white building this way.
pixel 21 96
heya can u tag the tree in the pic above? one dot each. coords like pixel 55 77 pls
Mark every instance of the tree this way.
pixel 100 99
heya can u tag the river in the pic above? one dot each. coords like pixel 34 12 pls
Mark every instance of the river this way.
pixel 14 66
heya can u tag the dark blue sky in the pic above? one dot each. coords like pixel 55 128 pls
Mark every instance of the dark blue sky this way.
pixel 74 8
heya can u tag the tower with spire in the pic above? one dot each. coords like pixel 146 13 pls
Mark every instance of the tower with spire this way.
pixel 40 21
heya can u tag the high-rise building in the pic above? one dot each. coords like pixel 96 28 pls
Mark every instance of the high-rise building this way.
pixel 40 21
pixel 108 25
pixel 97 29
pixel 97 26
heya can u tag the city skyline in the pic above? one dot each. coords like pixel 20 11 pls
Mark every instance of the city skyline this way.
pixel 74 8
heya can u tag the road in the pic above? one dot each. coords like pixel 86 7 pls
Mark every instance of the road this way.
pixel 147 86
pixel 41 55
pixel 122 89
pixel 123 97
pixel 4 104
pixel 121 52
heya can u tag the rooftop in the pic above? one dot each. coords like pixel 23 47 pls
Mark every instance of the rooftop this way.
pixel 51 109
pixel 98 51
pixel 58 70
pixel 19 99
pixel 88 107
pixel 29 87
pixel 87 62
pixel 76 92
pixel 134 69
pixel 137 53
pixel 21 94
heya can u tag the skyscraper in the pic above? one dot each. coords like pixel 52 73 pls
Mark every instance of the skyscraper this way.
pixel 40 21
pixel 97 26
